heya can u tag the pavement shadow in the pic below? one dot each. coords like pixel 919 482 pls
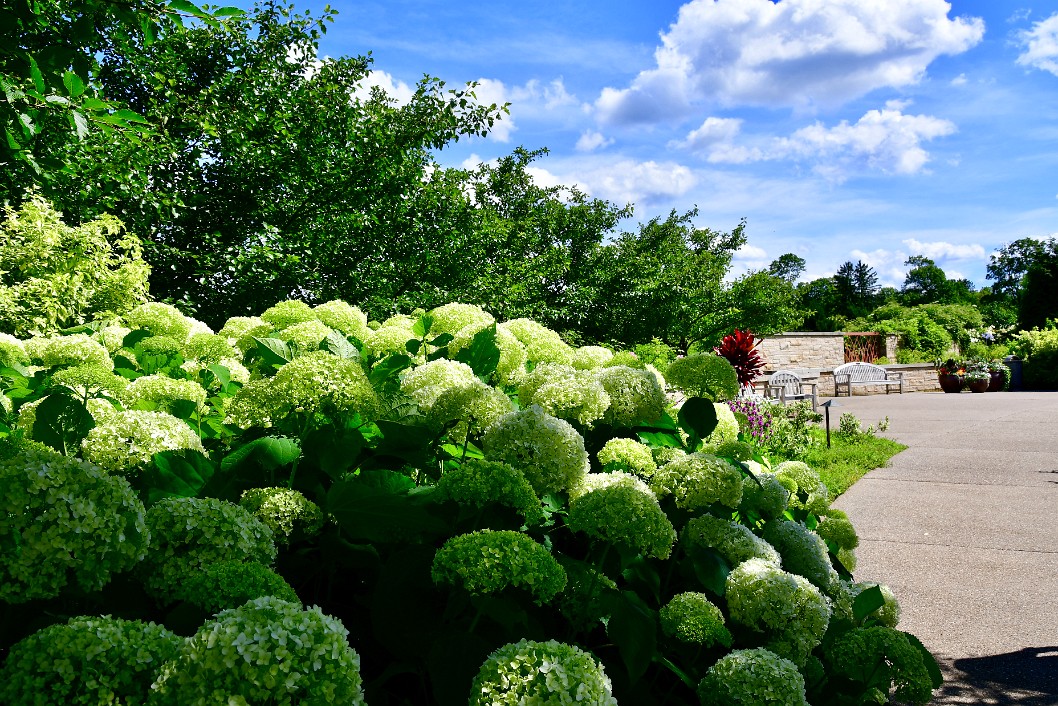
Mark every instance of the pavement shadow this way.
pixel 1028 677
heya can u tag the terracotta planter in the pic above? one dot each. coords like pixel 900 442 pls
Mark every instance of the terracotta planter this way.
pixel 978 385
pixel 995 384
pixel 950 383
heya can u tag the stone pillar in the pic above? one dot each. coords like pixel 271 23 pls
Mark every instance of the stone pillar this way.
pixel 890 347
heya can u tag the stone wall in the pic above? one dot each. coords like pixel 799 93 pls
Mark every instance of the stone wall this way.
pixel 787 351
pixel 918 377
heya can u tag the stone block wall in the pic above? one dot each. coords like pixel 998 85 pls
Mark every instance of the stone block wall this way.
pixel 803 350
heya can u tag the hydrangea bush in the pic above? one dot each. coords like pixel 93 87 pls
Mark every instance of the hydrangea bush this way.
pixel 427 493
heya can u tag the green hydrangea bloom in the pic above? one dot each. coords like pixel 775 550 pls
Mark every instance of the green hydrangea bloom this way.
pixel 160 319
pixel 306 335
pixel 786 607
pixel 158 345
pixel 64 519
pixel 473 408
pixel 585 599
pixel 626 358
pixel 488 561
pixel 480 483
pixel 803 552
pixel 844 593
pixel 240 330
pixel 738 450
pixel 73 350
pixel 229 584
pixel 808 484
pixel 594 481
pixel 163 392
pixel 635 395
pixel 12 352
pixel 112 337
pixel 511 365
pixel 387 340
pixel 542 345
pixel 768 499
pixel 624 516
pixel 126 441
pixel 698 480
pixel 91 379
pixel 578 399
pixel 735 542
pixel 666 454
pixel 704 375
pixel 87 661
pixel 287 313
pixel 884 652
pixel 628 454
pixel 839 531
pixel 283 510
pixel 343 317
pixel 426 382
pixel 591 357
pixel 691 617
pixel 726 431
pixel 189 534
pixel 847 557
pixel 755 677
pixel 545 673
pixel 542 374
pixel 267 651
pixel 100 409
pixel 547 450
pixel 452 318
pixel 209 348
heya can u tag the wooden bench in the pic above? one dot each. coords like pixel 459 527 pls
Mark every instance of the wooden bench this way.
pixel 786 385
pixel 849 374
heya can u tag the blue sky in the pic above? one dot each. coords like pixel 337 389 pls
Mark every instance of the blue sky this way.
pixel 839 129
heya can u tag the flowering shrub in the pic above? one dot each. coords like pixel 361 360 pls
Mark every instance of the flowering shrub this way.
pixel 624 516
pixel 541 672
pixel 488 561
pixel 282 510
pixel 481 483
pixel 690 617
pixel 754 677
pixel 758 419
pixel 547 450
pixel 126 441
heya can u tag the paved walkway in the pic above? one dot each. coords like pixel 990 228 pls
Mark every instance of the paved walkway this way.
pixel 963 526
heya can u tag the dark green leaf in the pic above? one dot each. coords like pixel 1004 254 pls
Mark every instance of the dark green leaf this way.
pixel 385 375
pixel 180 474
pixel 698 417
pixel 710 568
pixel 269 453
pixel 443 340
pixel 482 355
pixel 340 346
pixel 869 600
pixel 422 326
pixel 413 346
pixel 62 422
pixel 183 409
pixel 666 439
pixel 274 352
pixel 221 373
pixel 134 337
pixel 935 675
pixel 74 84
pixel 633 628
pixel 379 508
pixel 335 451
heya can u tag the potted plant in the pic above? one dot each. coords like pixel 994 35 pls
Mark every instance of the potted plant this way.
pixel 949 375
pixel 977 377
pixel 997 370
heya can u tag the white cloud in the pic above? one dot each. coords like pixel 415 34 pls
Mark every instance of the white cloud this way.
pixel 886 140
pixel 711 132
pixel 800 53
pixel 941 250
pixel 623 180
pixel 959 80
pixel 590 140
pixel 399 91
pixel 532 98
pixel 750 257
pixel 1041 45
pixel 889 264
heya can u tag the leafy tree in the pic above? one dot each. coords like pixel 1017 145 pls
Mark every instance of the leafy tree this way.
pixel 788 267
pixel 856 287
pixel 1024 274
pixel 1009 265
pixel 926 283
pixel 821 303
pixel 1039 300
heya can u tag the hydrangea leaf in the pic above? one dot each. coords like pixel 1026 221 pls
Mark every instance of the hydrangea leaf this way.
pixel 422 327
pixel 633 629
pixel 268 452
pixel 273 352
pixel 698 417
pixel 62 422
pixel 340 345
pixel 180 474
pixel 385 375
pixel 868 601
pixel 134 337
pixel 482 355
pixel 375 509
pixel 335 450
pixel 930 662
pixel 710 568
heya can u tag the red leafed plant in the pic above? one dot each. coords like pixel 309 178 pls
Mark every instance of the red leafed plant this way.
pixel 740 349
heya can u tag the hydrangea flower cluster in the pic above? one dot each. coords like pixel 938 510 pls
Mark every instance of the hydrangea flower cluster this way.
pixel 229 584
pixel 512 353
pixel 240 331
pixel 552 672
pixel 343 317
pixel 547 450
pixel 808 483
pixel 306 335
pixel 623 516
pixel 789 609
pixel 160 319
pixel 835 527
pixel 91 379
pixel 576 399
pixel 630 455
pixel 698 480
pixel 425 383
pixel 474 407
pixel 542 345
pixel 803 552
pixel 387 340
pixel 733 541
pixel 189 534
pixel 756 677
pixel 481 483
pixel 540 375
pixel 87 661
pixel 452 318
pixel 112 337
pixel 768 499
pixel 703 375
pixel 12 351
pixel 126 441
pixel 691 617
pixel 209 348
pixel 162 392
pixel 591 357
pixel 63 518
pixel 265 651
pixel 287 313
pixel 283 510
pixel 489 561
pixel 156 345
pixel 864 650
pixel 75 349
pixel 594 481
pixel 759 421
pixel 635 395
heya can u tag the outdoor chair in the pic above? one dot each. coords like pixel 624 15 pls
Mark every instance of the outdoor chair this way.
pixel 786 387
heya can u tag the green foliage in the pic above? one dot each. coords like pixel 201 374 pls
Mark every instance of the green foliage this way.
pixel 56 276
pixel 1039 349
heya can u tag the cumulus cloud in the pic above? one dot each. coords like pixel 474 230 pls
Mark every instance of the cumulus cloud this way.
pixel 623 180
pixel 532 98
pixel 794 53
pixel 590 140
pixel 1041 45
pixel 942 250
pixel 886 140
pixel 397 90
pixel 889 264
pixel 959 80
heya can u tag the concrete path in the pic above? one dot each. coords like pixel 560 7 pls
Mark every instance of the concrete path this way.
pixel 963 526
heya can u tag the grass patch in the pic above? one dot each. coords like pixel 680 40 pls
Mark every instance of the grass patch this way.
pixel 848 460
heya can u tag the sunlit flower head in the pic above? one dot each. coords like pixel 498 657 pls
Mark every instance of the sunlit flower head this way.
pixel 635 395
pixel 481 483
pixel 803 552
pixel 126 441
pixel 283 510
pixel 425 383
pixel 547 450
pixel 552 672
pixel 591 357
pixel 623 516
pixel 756 677
pixel 161 392
pixel 698 480
pixel 691 617
pixel 287 313
pixel 487 562
pixel 628 454
pixel 343 317
pixel 733 541
pixel 511 365
pixel 160 319
pixel 452 318
pixel 468 409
